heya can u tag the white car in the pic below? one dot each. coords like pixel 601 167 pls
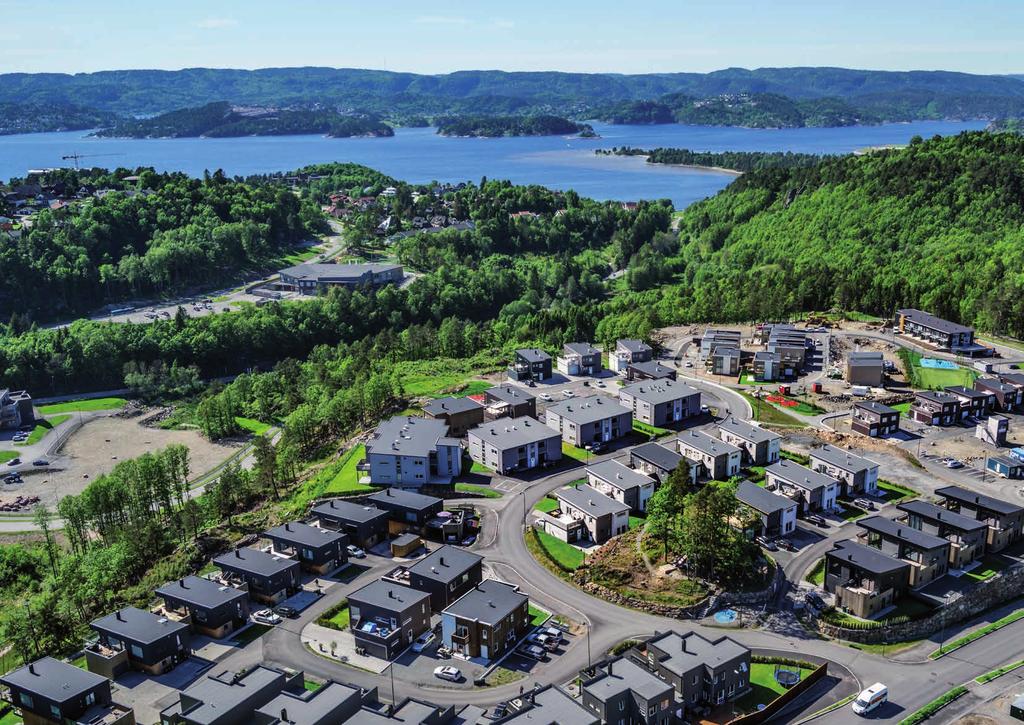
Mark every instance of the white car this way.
pixel 423 641
pixel 545 396
pixel 266 616
pixel 355 552
pixel 447 672
pixel 568 394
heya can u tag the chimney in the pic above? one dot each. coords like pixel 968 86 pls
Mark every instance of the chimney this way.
pixel 441 560
pixel 182 583
pixel 391 593
pixel 333 502
pixel 284 715
pixel 32 668
pixel 389 492
pixel 490 603
pixel 118 616
pixel 288 527
pixel 238 553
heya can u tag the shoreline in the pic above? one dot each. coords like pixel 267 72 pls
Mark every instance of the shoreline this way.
pixel 695 167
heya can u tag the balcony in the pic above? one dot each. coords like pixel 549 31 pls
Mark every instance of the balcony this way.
pixel 462 638
pixel 363 465
pixel 377 630
pixel 174 615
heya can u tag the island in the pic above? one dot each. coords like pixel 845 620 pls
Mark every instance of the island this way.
pixel 734 161
pixel 45 117
pixel 495 126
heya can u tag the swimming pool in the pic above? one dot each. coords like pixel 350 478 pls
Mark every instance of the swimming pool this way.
pixel 931 362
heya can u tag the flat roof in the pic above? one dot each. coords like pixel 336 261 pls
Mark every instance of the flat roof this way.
pixel 688 651
pixel 623 674
pixel 488 602
pixel 587 498
pixel 657 392
pixel 310 708
pixel 255 561
pixel 303 534
pixel 726 351
pixel 936 323
pixel 748 431
pixel 657 454
pixel 963 495
pixel 532 354
pixel 405 499
pixel 938 513
pixel 618 475
pixel 653 368
pixel 407 435
pixel 580 348
pixel 1008 461
pixel 336 272
pixel 200 591
pixel 510 394
pixel 446 563
pixel 633 345
pixel 506 433
pixel 138 625
pixel 587 410
pixel 348 511
pixel 874 407
pixel 865 557
pixel 842 459
pixel 760 500
pixel 410 712
pixel 552 706
pixel 388 595
pixel 937 396
pixel 218 694
pixel 53 679
pixel 706 444
pixel 451 405
pixel 800 476
pixel 961 391
pixel 864 357
pixel 897 530
pixel 995 384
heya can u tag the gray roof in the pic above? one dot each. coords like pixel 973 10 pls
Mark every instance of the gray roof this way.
pixel 406 539
pixel 1014 379
pixel 488 602
pixel 963 495
pixel 897 530
pixel 843 460
pixel 442 406
pixel 719 333
pixel 874 407
pixel 658 455
pixel 937 396
pixel 552 706
pixel 589 499
pixel 255 561
pixel 705 443
pixel 623 674
pixel 936 323
pixel 688 651
pixel 726 351
pixel 580 348
pixel 410 712
pixel 633 345
pixel 765 355
pixel 747 431
pixel 200 592
pixel 404 499
pixel 510 394
pixel 296 532
pixel 336 272
pixel 357 513
pixel 1007 461
pixel 587 410
pixel 866 557
pixel 865 357
pixel 760 500
pixel 446 563
pixel 532 354
pixel 506 433
pixel 138 625
pixel 652 368
pixel 618 475
pixel 388 595
pixel 930 511
pixel 53 680
pixel 310 708
pixel 961 391
pixel 656 392
pixel 800 476
pixel 219 694
pixel 995 384
pixel 407 435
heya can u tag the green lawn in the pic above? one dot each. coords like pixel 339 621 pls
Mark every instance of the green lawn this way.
pixel 764 688
pixel 347 479
pixel 297 256
pixel 817 573
pixel 311 685
pixel 577 454
pixel 8 456
pixel 252 425
pixel 651 430
pixel 566 555
pixel 440 378
pixel 75 406
pixel 987 568
pixel 251 634
pixel 43 427
pixel 895 493
pixel 538 615
pixel 10 718
pixel 546 505
pixel 635 521
pixel 765 412
pixel 903 408
pixel 484 491
pixel 479 468
pixel 935 378
pixel 336 618
pixel 851 512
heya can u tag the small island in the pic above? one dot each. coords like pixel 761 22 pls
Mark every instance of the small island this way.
pixel 496 126
pixel 223 120
pixel 733 161
pixel 46 117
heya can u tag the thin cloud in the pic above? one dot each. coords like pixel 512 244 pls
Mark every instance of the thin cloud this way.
pixel 442 20
pixel 216 23
pixel 504 24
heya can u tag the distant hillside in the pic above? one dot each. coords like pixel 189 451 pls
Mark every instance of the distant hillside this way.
pixel 38 117
pixel 492 126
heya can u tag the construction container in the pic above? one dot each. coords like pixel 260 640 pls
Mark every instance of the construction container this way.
pixel 816 387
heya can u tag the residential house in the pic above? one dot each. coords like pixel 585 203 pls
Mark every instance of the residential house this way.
pixel 1008 396
pixel 602 516
pixel 230 698
pixel 407 712
pixel 213 609
pixel 270 578
pixel 412 452
pixel 703 672
pixel 725 361
pixel 317 550
pixel 791 345
pixel 630 352
pixel 777 514
pixel 580 358
pixel 858 474
pixel 934 407
pixel 966 535
pixel 460 414
pixel 928 555
pixel 620 690
pixel 864 580
pixel 934 331
pixel 658 461
pixel 509 401
pixel 767 367
pixel 508 445
pixel 813 491
pixel 661 402
pixel 973 403
pixel 547 705
pixel 715 338
pixel 407 510
pixel 1005 466
pixel 309 279
pixel 387 617
pixel 1014 380
pixel 650 370
pixel 365 526
pixel 135 638
pixel 760 447
pixel 51 691
pixel 446 574
pixel 622 483
pixel 530 365
pixel 487 621
pixel 585 421
pixel 865 368
pixel 1004 519
pixel 714 458
pixel 331 703
pixel 874 419
pixel 16 409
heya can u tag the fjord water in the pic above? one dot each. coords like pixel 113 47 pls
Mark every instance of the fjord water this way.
pixel 419 155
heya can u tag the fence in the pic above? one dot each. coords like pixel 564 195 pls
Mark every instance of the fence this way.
pixel 783 701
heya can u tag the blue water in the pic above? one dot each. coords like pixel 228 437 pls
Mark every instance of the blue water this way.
pixel 725 616
pixel 931 362
pixel 419 155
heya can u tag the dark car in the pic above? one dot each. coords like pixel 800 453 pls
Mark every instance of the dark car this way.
pixel 817 520
pixel 786 544
pixel 286 611
pixel 14 462
pixel 814 599
pixel 40 462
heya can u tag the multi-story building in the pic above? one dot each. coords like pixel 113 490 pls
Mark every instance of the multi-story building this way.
pixel 622 483
pixel 620 690
pixel 329 704
pixel 407 510
pixel 760 447
pixel 813 491
pixel 630 352
pixel 661 402
pixel 857 474
pixel 934 407
pixel 1008 396
pixel 318 550
pixel 934 331
pixel 865 368
pixel 487 621
pixel 387 617
pixel 212 609
pixel 650 370
pixel 508 445
pixel 509 401
pixel 725 361
pixel 874 419
pixel 309 279
pixel 713 339
pixel 927 555
pixel 714 458
pixel 270 579
pixel 16 410
pixel 133 638
pixel 412 452
pixel 530 364
pixel 973 403
pixel 549 704
pixel 364 525
pixel 703 672
pixel 584 421
pixel 966 535
pixel 777 514
pixel 767 367
pixel 51 691
pixel 579 358
pixel 864 580
pixel 659 461
pixel 460 414
pixel 602 516
pixel 1004 519
pixel 446 574
pixel 230 698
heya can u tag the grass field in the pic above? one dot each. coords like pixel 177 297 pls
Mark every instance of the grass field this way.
pixel 903 408
pixel 895 493
pixel 545 505
pixel 43 427
pixel 538 615
pixel 8 456
pixel 577 454
pixel 935 378
pixel 763 686
pixel 339 618
pixel 339 478
pixel 253 426
pixel 651 430
pixel 635 521
pixel 817 573
pixel 566 555
pixel 83 406
pixel 484 491
pixel 987 568
pixel 10 718
pixel 767 413
pixel 440 378
pixel 479 468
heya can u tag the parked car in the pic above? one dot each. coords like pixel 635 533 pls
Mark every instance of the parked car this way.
pixel 767 543
pixel 814 599
pixel 705 409
pixel 533 651
pixel 448 672
pixel 953 463
pixel 817 520
pixel 40 462
pixel 787 545
pixel 568 394
pixel 542 640
pixel 355 552
pixel 865 504
pixel 286 610
pixel 14 462
pixel 553 632
pixel 545 396
pixel 598 446
pixel 423 641
pixel 600 384
pixel 265 616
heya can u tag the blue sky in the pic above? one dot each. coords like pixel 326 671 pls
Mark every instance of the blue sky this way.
pixel 434 37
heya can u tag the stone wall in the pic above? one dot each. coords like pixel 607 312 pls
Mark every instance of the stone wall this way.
pixel 1001 588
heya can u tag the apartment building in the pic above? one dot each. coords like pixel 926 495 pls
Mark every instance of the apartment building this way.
pixel 714 458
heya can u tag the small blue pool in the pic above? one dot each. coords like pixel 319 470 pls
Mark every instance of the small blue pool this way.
pixel 931 362
pixel 726 616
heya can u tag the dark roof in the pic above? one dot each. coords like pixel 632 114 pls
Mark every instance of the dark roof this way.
pixel 705 443
pixel 405 499
pixel 587 410
pixel 760 500
pixel 409 712
pixel 310 708
pixel 296 532
pixel 254 561
pixel 1007 461
pixel 633 345
pixel 726 351
pixel 843 459
pixel 963 495
pixel 336 272
pixel 960 390
pixel 623 675
pixel 1015 379
pixel 618 475
pixel 388 595
pixel 658 455
pixel 867 558
pixel 138 625
pixel 652 368
pixel 552 706
pixel 995 384
pixel 348 511
pixel 406 539
pixel 447 406
pixel 936 323
pixel 937 396
pixel 488 602
pixel 657 392
pixel 510 394
pixel 587 498
pixel 938 513
pixel 219 694
pixel 898 530
pixel 533 355
pixel 874 407
pixel 53 680
pixel 446 563
pixel 580 348
pixel 688 651
pixel 200 592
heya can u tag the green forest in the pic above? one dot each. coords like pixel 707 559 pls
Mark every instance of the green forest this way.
pixel 493 126
pixel 734 160
pixel 40 117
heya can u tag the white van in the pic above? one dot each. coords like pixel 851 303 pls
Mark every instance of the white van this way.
pixel 870 698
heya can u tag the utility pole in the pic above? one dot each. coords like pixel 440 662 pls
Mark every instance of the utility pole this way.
pixel 589 663
pixel 394 702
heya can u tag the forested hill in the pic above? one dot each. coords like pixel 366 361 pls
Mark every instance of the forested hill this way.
pixel 493 126
pixel 938 225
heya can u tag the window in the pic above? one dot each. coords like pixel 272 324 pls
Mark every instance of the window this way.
pixel 55 710
pixel 26 699
pixel 651 710
pixel 90 699
pixel 622 705
pixel 136 651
